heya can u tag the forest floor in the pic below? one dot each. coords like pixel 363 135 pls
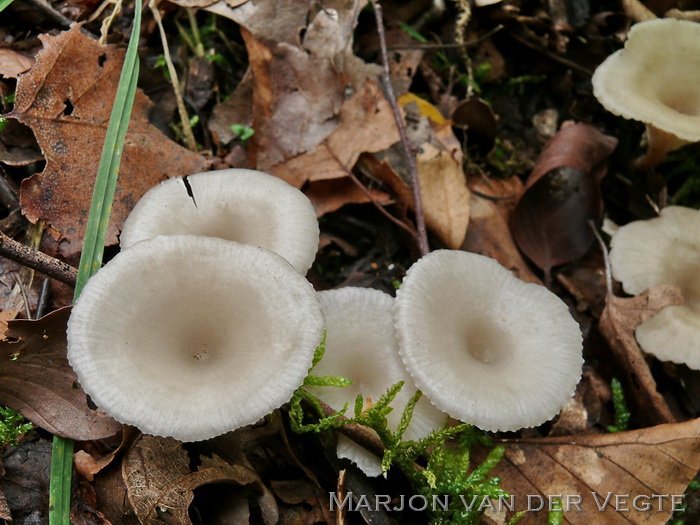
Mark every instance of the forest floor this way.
pixel 516 158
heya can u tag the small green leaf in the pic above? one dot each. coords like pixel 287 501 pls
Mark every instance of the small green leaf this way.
pixel 4 4
pixel 243 133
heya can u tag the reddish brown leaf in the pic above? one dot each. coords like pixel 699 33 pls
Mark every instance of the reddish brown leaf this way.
pixel 618 322
pixel 159 479
pixel 330 195
pixel 488 233
pixel 550 222
pixel 13 63
pixel 66 98
pixel 37 381
pixel 660 460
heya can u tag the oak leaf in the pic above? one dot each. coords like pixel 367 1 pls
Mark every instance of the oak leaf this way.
pixel 160 482
pixel 66 99
pixel 605 471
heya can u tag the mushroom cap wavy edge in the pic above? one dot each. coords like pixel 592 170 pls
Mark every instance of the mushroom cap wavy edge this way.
pixel 361 345
pixel 664 250
pixel 247 206
pixel 484 346
pixel 190 337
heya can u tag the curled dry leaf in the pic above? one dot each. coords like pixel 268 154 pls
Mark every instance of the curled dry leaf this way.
pixel 66 98
pixel 491 205
pixel 160 482
pixel 37 381
pixel 605 471
pixel 14 63
pixel 330 195
pixel 621 316
pixel 550 222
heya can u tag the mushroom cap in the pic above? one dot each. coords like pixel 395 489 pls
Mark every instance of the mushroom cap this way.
pixel 361 345
pixel 656 77
pixel 664 250
pixel 484 346
pixel 246 206
pixel 189 336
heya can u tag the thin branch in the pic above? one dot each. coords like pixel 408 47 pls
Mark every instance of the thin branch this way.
pixel 407 146
pixel 36 260
pixel 371 198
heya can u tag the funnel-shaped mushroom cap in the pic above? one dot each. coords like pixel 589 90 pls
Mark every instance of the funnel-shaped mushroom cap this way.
pixel 664 250
pixel 655 79
pixel 190 336
pixel 361 345
pixel 246 206
pixel 484 346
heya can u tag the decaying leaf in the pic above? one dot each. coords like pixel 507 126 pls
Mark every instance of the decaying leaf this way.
pixel 620 318
pixel 551 219
pixel 443 185
pixel 14 63
pixel 444 193
pixel 330 195
pixel 366 126
pixel 491 205
pixel 639 471
pixel 160 482
pixel 66 98
pixel 37 381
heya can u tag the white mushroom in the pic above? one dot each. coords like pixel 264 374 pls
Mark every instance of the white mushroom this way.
pixel 484 346
pixel 189 336
pixel 664 250
pixel 361 345
pixel 246 206
pixel 655 79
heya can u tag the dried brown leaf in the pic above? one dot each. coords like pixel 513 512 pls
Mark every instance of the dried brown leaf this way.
pixel 551 219
pixel 660 460
pixel 444 193
pixel 330 195
pixel 66 98
pixel 491 206
pixel 620 318
pixel 14 63
pixel 37 381
pixel 159 480
pixel 366 125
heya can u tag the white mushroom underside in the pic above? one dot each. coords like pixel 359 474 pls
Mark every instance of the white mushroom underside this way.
pixel 246 206
pixel 656 77
pixel 361 345
pixel 673 334
pixel 484 346
pixel 191 337
pixel 663 250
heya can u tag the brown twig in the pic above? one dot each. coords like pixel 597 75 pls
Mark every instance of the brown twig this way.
pixel 371 198
pixel 409 151
pixel 36 260
pixel 363 436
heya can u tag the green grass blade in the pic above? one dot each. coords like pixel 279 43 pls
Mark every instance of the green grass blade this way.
pixel 108 171
pixel 61 475
pixel 93 247
pixel 4 4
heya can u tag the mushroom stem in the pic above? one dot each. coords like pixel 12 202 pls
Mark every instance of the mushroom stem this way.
pixel 660 143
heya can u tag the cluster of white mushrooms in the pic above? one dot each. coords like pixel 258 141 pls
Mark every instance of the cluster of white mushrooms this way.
pixel 205 323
